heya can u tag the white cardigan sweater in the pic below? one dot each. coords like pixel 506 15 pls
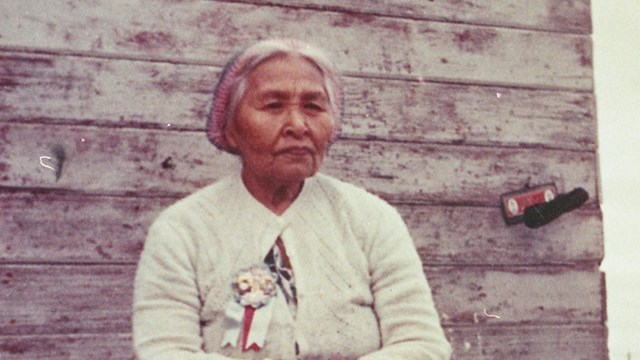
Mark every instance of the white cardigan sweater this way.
pixel 361 289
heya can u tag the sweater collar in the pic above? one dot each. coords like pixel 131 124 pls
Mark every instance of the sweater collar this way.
pixel 266 225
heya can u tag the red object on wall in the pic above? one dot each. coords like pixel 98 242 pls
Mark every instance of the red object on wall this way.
pixel 513 203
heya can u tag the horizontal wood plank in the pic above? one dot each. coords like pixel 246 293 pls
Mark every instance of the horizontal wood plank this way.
pixel 110 92
pixel 128 161
pixel 552 15
pixel 104 91
pixel 67 347
pixel 210 32
pixel 45 299
pixel 101 229
pixel 529 342
pixel 517 294
pixel 98 159
pixel 483 342
pixel 448 113
pixel 42 299
pixel 477 235
pixel 75 228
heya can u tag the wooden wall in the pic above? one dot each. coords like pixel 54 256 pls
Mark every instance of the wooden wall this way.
pixel 448 104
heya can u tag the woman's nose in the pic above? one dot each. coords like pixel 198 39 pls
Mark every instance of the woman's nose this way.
pixel 296 123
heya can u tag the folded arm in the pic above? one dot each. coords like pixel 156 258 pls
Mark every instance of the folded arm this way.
pixel 166 309
pixel 409 324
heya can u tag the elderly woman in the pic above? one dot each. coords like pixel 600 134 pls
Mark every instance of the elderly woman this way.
pixel 280 261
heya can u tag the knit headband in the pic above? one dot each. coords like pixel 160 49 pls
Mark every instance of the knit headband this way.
pixel 248 59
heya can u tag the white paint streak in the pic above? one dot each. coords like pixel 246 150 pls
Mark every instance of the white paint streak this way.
pixel 489 315
pixel 42 158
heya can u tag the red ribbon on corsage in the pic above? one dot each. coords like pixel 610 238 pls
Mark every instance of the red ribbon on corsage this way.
pixel 249 314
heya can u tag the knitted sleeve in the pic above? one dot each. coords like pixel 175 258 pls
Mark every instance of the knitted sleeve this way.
pixel 166 322
pixel 409 324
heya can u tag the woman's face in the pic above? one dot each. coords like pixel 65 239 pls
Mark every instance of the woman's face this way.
pixel 283 123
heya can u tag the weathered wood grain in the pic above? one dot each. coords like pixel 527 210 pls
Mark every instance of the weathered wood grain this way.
pixel 99 159
pixel 553 15
pixel 101 229
pixel 483 342
pixel 75 228
pixel 65 299
pixel 156 162
pixel 75 90
pixel 455 174
pixel 449 113
pixel 46 299
pixel 67 347
pixel 544 295
pixel 210 32
pixel 104 91
pixel 477 235
pixel 529 342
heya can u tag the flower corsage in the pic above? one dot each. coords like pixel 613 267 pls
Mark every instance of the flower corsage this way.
pixel 249 313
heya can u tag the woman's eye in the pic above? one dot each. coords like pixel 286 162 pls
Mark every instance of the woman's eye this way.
pixel 314 107
pixel 273 105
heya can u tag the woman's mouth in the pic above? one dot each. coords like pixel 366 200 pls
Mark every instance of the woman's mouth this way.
pixel 296 151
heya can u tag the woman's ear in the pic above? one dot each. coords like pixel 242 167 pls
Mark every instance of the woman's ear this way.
pixel 231 137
